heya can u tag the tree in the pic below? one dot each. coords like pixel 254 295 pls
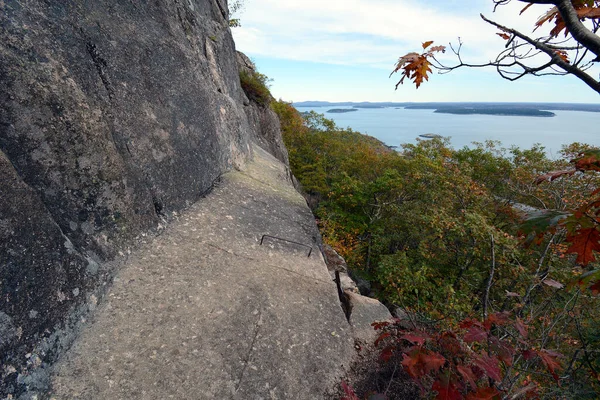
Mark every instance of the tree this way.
pixel 235 7
pixel 571 47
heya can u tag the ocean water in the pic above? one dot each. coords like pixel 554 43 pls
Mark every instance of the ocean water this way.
pixel 397 126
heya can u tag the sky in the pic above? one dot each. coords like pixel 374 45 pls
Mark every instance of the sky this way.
pixel 345 50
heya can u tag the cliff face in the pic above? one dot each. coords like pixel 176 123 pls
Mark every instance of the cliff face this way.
pixel 113 116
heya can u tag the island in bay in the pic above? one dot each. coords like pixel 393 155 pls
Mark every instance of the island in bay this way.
pixel 341 110
pixel 502 111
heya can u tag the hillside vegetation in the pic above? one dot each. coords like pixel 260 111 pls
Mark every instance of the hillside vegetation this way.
pixel 496 307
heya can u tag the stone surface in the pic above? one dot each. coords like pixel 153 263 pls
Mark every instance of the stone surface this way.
pixel 205 312
pixel 114 116
pixel 335 262
pixel 365 311
pixel 264 122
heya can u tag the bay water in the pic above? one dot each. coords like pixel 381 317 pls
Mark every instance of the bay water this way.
pixel 395 126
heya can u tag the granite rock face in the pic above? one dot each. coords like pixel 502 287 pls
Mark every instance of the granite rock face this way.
pixel 113 116
pixel 264 122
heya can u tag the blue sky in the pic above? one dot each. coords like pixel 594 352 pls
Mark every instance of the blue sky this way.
pixel 344 50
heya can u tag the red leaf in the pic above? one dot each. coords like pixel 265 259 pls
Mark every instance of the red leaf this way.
pixel 504 351
pixel 420 362
pixel 489 366
pixel 475 334
pixel 380 325
pixel 446 391
pixel 382 337
pixel 416 337
pixel 500 318
pixel 348 392
pixel 503 36
pixel 387 353
pixel 484 393
pixel 549 359
pixel 520 326
pixel 584 242
pixel 529 354
pixel 468 375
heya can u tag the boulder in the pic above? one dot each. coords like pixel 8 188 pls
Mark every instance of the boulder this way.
pixel 363 312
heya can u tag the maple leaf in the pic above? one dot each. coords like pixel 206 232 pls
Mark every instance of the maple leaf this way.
pixel 550 176
pixel 588 12
pixel 549 359
pixel 467 373
pixel 588 161
pixel 416 337
pixel 446 391
pixel 489 366
pixel 420 362
pixel 484 393
pixel 584 242
pixel 499 318
pixel 387 353
pixel 521 327
pixel 475 334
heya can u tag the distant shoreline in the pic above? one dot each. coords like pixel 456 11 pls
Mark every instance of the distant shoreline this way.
pixel 504 112
pixel 490 108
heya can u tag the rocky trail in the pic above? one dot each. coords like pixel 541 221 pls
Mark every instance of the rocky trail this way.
pixel 204 311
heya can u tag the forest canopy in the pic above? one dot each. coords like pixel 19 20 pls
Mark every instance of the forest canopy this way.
pixel 474 244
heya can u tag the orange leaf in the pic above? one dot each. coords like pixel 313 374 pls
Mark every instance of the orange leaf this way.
pixel 584 242
pixel 503 36
pixel 427 44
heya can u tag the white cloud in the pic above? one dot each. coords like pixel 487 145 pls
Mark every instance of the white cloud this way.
pixel 368 32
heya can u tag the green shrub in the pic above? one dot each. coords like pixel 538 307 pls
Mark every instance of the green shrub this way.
pixel 255 87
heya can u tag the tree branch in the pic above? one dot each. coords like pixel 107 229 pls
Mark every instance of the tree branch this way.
pixel 556 59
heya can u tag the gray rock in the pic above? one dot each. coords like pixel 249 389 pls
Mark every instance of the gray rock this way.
pixel 334 261
pixel 264 122
pixel 7 329
pixel 113 116
pixel 363 312
pixel 214 314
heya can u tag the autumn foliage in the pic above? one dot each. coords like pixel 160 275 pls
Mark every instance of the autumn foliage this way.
pixel 492 257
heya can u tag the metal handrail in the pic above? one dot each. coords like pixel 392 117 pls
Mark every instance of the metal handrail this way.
pixel 286 240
